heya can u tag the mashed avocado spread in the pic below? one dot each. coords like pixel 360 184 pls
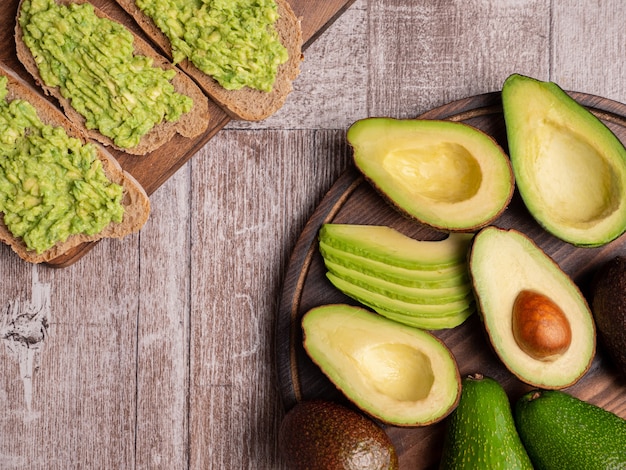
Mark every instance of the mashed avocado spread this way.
pixel 51 185
pixel 92 61
pixel 233 41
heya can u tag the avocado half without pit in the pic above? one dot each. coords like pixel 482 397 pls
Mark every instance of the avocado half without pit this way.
pixel 395 373
pixel 570 169
pixel 535 316
pixel 445 174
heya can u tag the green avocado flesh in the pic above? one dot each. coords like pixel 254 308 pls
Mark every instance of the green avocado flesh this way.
pixel 439 322
pixel 386 244
pixel 480 433
pixel 435 278
pixel 503 263
pixel 420 307
pixel 432 295
pixel 233 41
pixel 398 374
pixel 570 169
pixel 51 186
pixel 91 60
pixel 445 174
pixel 561 431
pixel 419 283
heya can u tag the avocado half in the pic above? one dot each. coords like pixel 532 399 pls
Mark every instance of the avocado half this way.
pixel 395 373
pixel 570 169
pixel 445 174
pixel 503 264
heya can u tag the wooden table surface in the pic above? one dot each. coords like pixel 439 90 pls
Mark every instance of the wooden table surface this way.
pixel 157 351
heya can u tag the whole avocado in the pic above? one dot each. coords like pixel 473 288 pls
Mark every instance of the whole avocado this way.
pixel 608 306
pixel 560 431
pixel 318 434
pixel 481 432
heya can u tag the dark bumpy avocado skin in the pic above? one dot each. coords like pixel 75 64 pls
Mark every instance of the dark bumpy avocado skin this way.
pixel 320 434
pixel 608 306
pixel 481 433
pixel 560 432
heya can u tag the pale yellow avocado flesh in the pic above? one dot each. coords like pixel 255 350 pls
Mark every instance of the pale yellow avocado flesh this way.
pixel 398 374
pixel 569 167
pixel 446 174
pixel 502 264
pixel 575 182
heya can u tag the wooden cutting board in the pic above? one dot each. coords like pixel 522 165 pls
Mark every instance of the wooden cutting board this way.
pixel 153 169
pixel 352 200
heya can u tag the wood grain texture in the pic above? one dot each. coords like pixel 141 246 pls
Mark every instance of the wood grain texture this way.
pixel 231 299
pixel 162 438
pixel 159 352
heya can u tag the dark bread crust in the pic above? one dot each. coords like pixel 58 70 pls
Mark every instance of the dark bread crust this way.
pixel 135 200
pixel 246 104
pixel 191 124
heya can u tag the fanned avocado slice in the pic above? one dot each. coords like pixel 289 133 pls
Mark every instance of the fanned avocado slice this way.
pixel 432 295
pixel 433 278
pixel 430 323
pixel 386 244
pixel 376 300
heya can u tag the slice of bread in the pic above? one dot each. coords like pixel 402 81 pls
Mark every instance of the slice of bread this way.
pixel 191 124
pixel 135 200
pixel 246 104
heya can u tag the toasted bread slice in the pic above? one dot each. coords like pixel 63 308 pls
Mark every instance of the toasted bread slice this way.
pixel 135 200
pixel 247 103
pixel 191 124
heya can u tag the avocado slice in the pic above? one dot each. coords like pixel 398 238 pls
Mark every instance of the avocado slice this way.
pixel 418 307
pixel 445 174
pixel 561 431
pixel 502 265
pixel 429 323
pixel 429 295
pixel 383 243
pixel 435 278
pixel 324 434
pixel 397 374
pixel 480 432
pixel 569 167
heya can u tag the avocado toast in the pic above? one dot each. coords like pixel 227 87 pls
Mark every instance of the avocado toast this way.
pixel 57 190
pixel 240 102
pixel 109 81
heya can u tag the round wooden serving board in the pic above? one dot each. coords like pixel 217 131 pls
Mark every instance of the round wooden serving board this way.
pixel 352 200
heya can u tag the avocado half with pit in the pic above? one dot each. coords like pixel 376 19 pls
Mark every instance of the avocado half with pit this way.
pixel 570 169
pixel 445 174
pixel 395 373
pixel 535 316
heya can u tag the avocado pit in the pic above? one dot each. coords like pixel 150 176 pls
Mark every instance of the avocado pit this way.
pixel 540 327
